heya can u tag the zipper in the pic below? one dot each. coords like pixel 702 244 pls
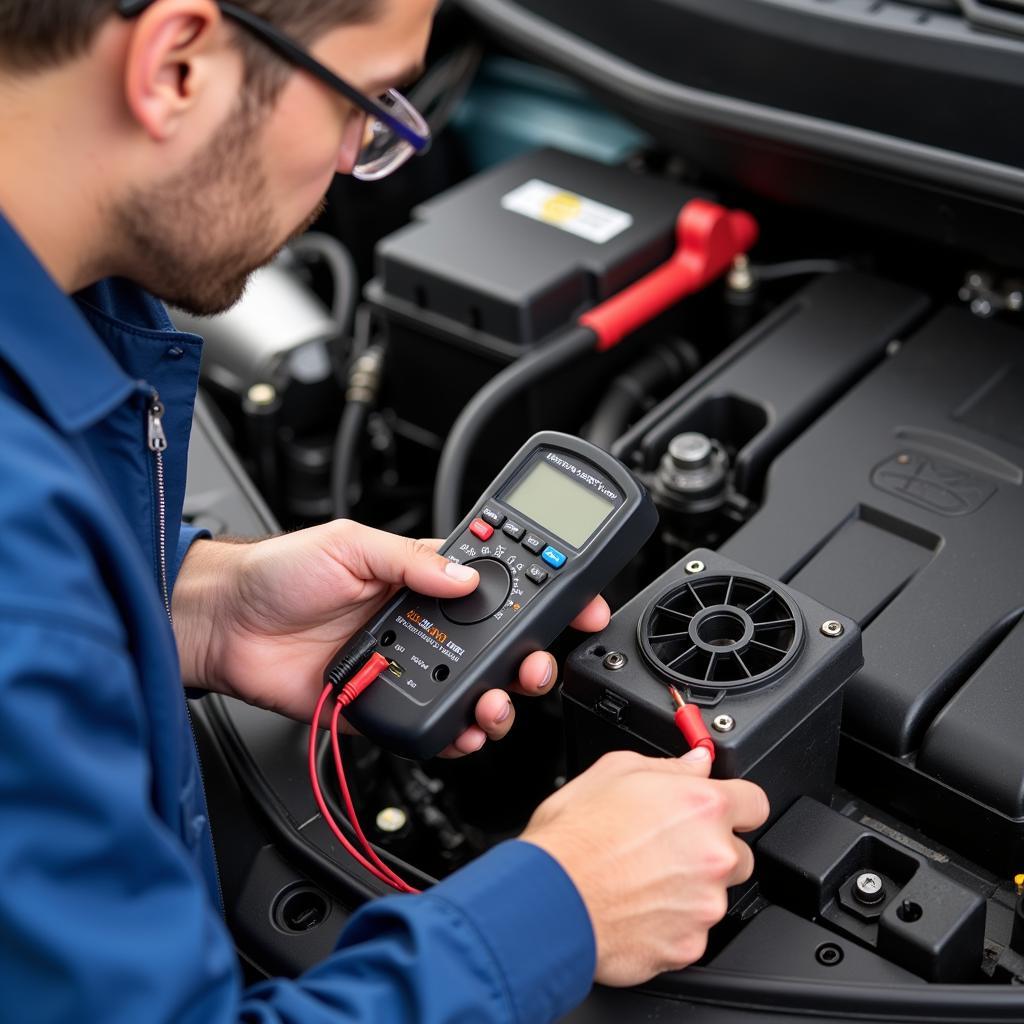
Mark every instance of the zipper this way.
pixel 156 439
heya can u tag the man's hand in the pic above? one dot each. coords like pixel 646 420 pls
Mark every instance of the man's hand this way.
pixel 261 621
pixel 650 845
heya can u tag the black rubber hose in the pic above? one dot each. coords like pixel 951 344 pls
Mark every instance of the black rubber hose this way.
pixel 346 452
pixel 486 403
pixel 363 387
pixel 670 364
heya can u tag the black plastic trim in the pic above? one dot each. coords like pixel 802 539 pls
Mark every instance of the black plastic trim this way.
pixel 609 74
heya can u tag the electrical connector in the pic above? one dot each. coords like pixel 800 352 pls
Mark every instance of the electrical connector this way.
pixel 350 658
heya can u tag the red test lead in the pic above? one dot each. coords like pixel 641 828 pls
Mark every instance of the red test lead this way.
pixel 367 857
pixel 691 724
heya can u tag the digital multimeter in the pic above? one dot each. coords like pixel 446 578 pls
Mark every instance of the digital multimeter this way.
pixel 555 527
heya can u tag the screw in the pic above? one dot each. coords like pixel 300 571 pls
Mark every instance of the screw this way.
pixel 695 567
pixel 392 819
pixel 868 889
pixel 832 629
pixel 723 723
pixel 614 661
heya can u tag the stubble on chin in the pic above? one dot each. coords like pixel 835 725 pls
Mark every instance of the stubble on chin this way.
pixel 194 239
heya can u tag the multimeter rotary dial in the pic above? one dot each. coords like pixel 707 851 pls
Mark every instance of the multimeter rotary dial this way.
pixel 488 598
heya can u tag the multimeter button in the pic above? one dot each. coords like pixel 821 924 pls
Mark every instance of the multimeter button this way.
pixel 554 558
pixel 513 530
pixel 490 594
pixel 480 529
pixel 536 574
pixel 488 515
pixel 533 543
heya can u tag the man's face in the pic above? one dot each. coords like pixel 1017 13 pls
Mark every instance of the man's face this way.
pixel 195 237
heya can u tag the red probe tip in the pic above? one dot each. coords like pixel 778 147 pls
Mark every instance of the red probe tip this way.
pixel 691 724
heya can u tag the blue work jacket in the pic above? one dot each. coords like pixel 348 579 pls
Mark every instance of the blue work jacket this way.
pixel 109 900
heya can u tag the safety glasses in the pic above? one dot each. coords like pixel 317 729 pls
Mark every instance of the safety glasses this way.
pixel 394 129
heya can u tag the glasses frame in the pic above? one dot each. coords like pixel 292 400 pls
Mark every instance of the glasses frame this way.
pixel 300 58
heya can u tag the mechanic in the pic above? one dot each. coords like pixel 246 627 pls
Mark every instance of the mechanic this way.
pixel 164 149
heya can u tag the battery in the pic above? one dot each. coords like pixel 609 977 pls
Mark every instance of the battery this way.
pixel 501 263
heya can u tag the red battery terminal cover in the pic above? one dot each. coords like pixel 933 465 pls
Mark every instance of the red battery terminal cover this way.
pixel 708 238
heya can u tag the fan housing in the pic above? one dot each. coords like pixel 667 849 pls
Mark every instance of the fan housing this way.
pixel 720 633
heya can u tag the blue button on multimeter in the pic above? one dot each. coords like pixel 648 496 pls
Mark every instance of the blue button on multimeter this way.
pixel 554 558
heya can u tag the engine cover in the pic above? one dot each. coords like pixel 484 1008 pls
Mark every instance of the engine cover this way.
pixel 903 507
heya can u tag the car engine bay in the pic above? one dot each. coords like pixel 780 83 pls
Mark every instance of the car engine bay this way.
pixel 832 431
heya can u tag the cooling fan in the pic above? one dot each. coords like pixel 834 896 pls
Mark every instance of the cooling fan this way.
pixel 720 632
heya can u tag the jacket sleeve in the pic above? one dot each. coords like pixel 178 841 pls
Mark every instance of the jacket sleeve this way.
pixel 104 917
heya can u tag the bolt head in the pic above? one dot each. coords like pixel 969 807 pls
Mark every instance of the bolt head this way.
pixel 832 629
pixel 723 723
pixel 868 888
pixel 614 660
pixel 695 567
pixel 392 819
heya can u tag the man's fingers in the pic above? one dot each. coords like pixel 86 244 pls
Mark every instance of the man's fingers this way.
pixel 744 864
pixel 594 617
pixel 696 762
pixel 468 743
pixel 494 717
pixel 537 675
pixel 495 714
pixel 749 804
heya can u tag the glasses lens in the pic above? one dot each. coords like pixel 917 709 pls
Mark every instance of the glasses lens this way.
pixel 384 150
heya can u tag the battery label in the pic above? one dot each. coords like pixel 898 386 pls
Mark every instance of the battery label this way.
pixel 567 211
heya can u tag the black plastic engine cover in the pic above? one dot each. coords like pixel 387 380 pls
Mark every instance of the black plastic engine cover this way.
pixel 903 506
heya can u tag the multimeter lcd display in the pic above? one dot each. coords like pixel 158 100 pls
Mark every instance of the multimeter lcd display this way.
pixel 557 503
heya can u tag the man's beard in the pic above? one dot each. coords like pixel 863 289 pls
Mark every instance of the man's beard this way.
pixel 195 239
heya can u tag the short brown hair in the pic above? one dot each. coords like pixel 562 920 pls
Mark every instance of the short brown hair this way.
pixel 38 34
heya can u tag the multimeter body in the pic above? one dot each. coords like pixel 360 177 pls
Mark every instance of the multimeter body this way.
pixel 551 531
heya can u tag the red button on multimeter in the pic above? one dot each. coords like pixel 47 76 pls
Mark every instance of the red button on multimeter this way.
pixel 480 529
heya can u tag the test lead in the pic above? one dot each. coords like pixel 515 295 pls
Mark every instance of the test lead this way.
pixel 691 724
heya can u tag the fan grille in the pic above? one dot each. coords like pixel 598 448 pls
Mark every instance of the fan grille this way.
pixel 720 632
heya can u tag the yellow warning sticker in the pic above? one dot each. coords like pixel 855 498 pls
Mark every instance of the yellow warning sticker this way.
pixel 567 211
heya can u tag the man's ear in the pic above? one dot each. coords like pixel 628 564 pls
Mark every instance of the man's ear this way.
pixel 177 49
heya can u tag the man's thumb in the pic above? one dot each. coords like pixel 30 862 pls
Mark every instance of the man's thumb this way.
pixel 412 563
pixel 696 762
pixel 427 572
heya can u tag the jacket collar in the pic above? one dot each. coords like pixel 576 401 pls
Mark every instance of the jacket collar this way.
pixel 47 341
